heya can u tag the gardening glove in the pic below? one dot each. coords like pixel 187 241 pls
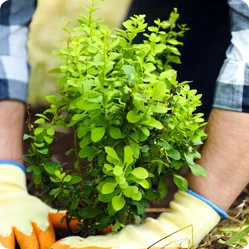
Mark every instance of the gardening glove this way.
pixel 187 222
pixel 23 217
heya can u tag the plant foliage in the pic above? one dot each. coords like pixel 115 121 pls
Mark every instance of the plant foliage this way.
pixel 134 124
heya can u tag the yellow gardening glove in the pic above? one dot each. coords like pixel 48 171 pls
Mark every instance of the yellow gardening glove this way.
pixel 23 217
pixel 185 210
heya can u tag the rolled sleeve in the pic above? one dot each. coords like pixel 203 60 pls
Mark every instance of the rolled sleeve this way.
pixel 15 17
pixel 232 88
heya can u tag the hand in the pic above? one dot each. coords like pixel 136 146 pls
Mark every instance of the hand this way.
pixel 23 217
pixel 188 221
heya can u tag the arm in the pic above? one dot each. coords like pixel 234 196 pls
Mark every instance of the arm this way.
pixel 225 154
pixel 15 17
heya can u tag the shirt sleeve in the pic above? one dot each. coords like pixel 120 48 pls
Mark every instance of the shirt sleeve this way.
pixel 15 17
pixel 232 87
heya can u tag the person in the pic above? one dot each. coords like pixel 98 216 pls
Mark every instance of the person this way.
pixel 192 214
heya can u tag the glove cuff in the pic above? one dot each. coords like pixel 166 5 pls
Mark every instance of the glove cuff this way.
pixel 220 211
pixel 12 177
pixel 13 163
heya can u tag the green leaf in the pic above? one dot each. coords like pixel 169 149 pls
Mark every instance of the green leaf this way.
pixel 140 208
pixel 135 148
pixel 153 123
pixel 145 148
pixel 55 71
pixel 115 132
pixel 51 99
pixel 39 145
pixel 118 202
pixel 76 179
pixel 37 171
pixel 163 188
pixel 238 236
pixel 49 140
pixel 165 145
pixel 68 152
pixel 50 131
pixel 26 136
pixel 67 178
pixel 44 151
pixel 42 116
pixel 108 187
pixel 87 152
pixel 108 169
pixel 175 154
pixel 140 173
pixel 169 74
pixel 40 121
pixel 130 191
pixel 30 168
pixel 111 211
pixel 38 131
pixel 133 116
pixel 89 212
pixel 145 131
pixel 85 105
pixel 128 70
pixel 160 108
pixel 117 170
pixel 104 222
pixel 54 191
pixel 37 179
pixel 149 67
pixel 120 179
pixel 97 134
pixel 198 170
pixel 137 196
pixel 144 183
pixel 51 167
pixel 159 48
pixel 180 182
pixel 128 155
pixel 112 153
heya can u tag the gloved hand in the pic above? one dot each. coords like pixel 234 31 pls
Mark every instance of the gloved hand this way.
pixel 24 217
pixel 185 210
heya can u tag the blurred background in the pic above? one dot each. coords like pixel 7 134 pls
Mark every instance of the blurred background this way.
pixel 46 32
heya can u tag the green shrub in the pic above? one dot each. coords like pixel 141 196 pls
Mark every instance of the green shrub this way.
pixel 134 124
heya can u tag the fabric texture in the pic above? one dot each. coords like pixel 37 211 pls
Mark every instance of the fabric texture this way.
pixel 15 17
pixel 232 89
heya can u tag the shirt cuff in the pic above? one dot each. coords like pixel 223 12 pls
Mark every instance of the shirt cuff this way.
pixel 13 78
pixel 232 88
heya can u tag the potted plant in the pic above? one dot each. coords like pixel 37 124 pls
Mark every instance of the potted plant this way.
pixel 135 126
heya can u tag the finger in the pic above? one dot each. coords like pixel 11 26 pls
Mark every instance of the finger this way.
pixel 55 218
pixel 8 241
pixel 26 241
pixel 58 245
pixel 45 238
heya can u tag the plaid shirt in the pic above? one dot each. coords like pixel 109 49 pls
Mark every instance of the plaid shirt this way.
pixel 232 90
pixel 15 17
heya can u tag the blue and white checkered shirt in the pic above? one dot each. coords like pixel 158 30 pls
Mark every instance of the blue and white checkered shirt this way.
pixel 15 17
pixel 232 90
